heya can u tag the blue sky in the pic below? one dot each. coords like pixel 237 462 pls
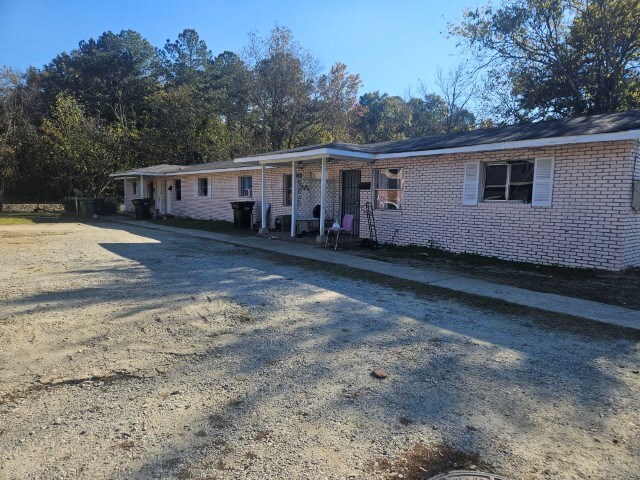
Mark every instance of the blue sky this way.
pixel 392 45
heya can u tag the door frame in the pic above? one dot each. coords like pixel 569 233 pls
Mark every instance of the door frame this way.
pixel 355 209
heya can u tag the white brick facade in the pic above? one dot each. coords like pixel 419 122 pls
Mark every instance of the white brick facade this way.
pixel 589 224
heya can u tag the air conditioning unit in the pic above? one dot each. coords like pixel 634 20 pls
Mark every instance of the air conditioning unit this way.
pixel 246 192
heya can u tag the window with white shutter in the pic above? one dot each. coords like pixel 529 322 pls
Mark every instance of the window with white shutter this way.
pixel 471 183
pixel 543 182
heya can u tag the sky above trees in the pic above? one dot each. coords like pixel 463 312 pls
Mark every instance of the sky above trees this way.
pixel 392 45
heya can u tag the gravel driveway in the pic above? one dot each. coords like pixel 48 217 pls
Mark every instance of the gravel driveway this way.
pixel 129 353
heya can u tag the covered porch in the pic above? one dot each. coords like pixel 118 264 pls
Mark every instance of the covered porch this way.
pixel 323 185
pixel 148 182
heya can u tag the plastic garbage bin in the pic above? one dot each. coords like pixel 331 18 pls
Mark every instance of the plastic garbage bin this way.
pixel 86 207
pixel 242 214
pixel 142 207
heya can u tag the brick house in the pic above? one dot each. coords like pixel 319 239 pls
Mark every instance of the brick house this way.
pixel 563 192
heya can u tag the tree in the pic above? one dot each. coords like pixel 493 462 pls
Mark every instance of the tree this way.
pixel 185 61
pixel 559 57
pixel 180 130
pixel 18 100
pixel 384 118
pixel 83 150
pixel 338 96
pixel 457 90
pixel 282 86
pixel 107 76
pixel 228 95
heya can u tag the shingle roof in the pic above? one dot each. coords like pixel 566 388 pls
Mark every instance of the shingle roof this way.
pixel 166 168
pixel 589 125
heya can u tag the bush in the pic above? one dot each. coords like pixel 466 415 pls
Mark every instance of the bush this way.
pixel 69 204
pixel 105 206
pixel 101 205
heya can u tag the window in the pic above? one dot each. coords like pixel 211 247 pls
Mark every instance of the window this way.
pixel 244 186
pixel 134 184
pixel 508 181
pixel 177 188
pixel 288 189
pixel 388 188
pixel 203 187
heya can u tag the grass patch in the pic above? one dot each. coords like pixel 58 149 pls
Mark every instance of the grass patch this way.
pixel 26 218
pixel 614 288
pixel 221 226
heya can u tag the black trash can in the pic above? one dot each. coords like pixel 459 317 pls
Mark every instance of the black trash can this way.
pixel 143 208
pixel 242 214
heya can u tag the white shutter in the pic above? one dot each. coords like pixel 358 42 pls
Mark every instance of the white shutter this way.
pixel 195 187
pixel 471 183
pixel 543 182
pixel 209 186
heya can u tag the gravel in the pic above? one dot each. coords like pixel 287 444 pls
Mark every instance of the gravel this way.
pixel 130 353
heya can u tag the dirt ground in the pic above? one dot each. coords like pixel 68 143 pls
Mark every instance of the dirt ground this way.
pixel 614 288
pixel 129 353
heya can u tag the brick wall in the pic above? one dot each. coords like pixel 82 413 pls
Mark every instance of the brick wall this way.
pixel 584 227
pixel 129 195
pixel 223 188
pixel 590 222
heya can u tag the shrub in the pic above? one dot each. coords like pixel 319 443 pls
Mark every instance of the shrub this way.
pixel 69 204
pixel 101 205
pixel 105 206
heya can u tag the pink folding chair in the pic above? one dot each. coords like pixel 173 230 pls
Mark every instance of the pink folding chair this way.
pixel 347 227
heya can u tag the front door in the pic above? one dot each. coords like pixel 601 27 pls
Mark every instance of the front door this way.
pixel 351 197
pixel 167 197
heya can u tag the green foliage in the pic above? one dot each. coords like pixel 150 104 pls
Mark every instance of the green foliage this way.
pixel 110 76
pixel 83 151
pixel 557 57
pixel 386 118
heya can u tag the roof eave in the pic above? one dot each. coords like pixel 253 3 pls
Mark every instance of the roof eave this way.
pixel 136 174
pixel 315 154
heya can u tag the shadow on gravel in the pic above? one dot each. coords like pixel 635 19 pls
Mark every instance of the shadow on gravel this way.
pixel 436 387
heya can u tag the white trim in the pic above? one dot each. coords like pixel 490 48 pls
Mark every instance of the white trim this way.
pixel 197 187
pixel 128 174
pixel 315 154
pixel 294 199
pixel 323 195
pixel 182 173
pixel 263 199
pixel 211 171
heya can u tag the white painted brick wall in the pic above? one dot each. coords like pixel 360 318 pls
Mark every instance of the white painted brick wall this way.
pixel 590 223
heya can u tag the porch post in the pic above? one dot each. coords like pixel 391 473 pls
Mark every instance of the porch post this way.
pixel 263 193
pixel 294 199
pixel 141 186
pixel 323 197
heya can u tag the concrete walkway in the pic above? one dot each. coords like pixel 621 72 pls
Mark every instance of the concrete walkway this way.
pixel 549 302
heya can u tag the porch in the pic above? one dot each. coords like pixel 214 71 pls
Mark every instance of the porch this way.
pixel 319 189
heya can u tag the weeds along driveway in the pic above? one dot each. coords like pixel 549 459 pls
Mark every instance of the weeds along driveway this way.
pixel 132 353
